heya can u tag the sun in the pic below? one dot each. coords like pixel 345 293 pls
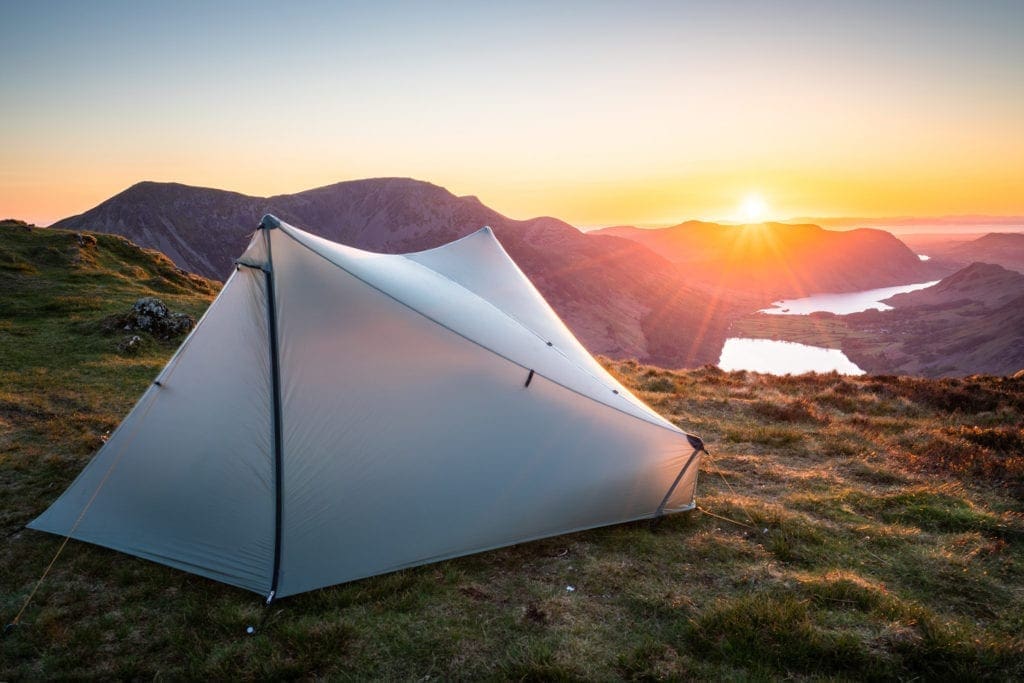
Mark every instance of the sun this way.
pixel 753 209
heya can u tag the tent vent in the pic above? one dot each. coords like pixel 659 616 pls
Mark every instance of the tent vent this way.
pixel 696 442
pixel 269 222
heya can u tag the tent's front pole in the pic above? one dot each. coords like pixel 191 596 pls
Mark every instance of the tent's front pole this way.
pixel 698 447
pixel 275 374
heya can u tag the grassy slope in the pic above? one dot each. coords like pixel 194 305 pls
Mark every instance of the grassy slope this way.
pixel 876 530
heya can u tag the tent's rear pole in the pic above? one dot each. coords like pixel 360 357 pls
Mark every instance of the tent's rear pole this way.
pixel 275 374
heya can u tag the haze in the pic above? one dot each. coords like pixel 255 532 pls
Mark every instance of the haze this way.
pixel 601 114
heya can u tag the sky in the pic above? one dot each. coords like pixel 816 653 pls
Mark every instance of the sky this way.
pixel 598 113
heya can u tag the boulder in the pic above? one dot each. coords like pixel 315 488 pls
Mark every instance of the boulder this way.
pixel 130 345
pixel 151 315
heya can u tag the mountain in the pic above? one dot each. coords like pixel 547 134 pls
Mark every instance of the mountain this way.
pixel 1002 248
pixel 916 224
pixel 775 260
pixel 619 298
pixel 970 322
pixel 987 284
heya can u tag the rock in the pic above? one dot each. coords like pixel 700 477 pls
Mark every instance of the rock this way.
pixel 130 345
pixel 148 311
pixel 85 240
pixel 151 315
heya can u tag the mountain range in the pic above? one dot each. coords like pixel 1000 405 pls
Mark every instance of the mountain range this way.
pixel 781 260
pixel 619 298
pixel 1001 248
pixel 665 296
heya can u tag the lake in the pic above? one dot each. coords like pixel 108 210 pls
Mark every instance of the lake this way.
pixel 843 302
pixel 783 358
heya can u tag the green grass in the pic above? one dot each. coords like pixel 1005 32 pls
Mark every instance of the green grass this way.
pixel 851 528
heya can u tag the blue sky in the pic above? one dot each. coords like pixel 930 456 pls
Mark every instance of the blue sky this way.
pixel 598 112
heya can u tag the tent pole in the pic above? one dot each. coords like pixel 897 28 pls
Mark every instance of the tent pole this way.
pixel 275 373
pixel 698 447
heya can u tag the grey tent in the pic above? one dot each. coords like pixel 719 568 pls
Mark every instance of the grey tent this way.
pixel 338 414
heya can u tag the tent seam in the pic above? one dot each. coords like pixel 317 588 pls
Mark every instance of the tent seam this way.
pixel 514 318
pixel 670 428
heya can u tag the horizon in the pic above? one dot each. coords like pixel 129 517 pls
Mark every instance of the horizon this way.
pixel 905 225
pixel 596 114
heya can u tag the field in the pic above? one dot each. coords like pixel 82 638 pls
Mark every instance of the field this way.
pixel 849 528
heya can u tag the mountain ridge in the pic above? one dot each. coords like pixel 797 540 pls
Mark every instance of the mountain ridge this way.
pixel 1001 248
pixel 783 260
pixel 619 298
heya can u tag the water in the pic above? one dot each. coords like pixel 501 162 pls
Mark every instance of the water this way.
pixel 783 358
pixel 843 303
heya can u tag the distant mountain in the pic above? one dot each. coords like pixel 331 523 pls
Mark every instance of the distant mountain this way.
pixel 913 224
pixel 620 299
pixel 1002 248
pixel 776 260
pixel 970 322
pixel 983 283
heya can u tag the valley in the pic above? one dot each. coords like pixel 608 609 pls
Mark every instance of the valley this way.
pixel 668 296
pixel 970 322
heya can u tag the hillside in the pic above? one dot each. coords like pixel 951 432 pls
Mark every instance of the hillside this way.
pixel 970 322
pixel 1001 248
pixel 779 260
pixel 984 283
pixel 620 299
pixel 851 528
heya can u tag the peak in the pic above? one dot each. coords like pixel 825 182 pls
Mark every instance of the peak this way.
pixel 987 273
pixel 149 187
pixel 143 187
pixel 1002 238
pixel 385 181
pixel 393 185
pixel 156 184
pixel 978 268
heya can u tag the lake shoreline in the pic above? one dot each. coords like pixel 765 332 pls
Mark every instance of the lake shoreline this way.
pixel 843 303
pixel 822 340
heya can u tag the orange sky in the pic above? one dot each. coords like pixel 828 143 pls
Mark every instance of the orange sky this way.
pixel 598 114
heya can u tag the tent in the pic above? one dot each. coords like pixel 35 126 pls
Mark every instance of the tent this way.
pixel 338 414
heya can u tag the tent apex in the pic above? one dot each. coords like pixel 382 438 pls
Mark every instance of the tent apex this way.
pixel 269 222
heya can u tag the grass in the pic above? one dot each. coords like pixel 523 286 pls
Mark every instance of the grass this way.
pixel 851 528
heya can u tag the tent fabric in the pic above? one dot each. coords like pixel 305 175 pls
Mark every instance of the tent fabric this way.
pixel 408 433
